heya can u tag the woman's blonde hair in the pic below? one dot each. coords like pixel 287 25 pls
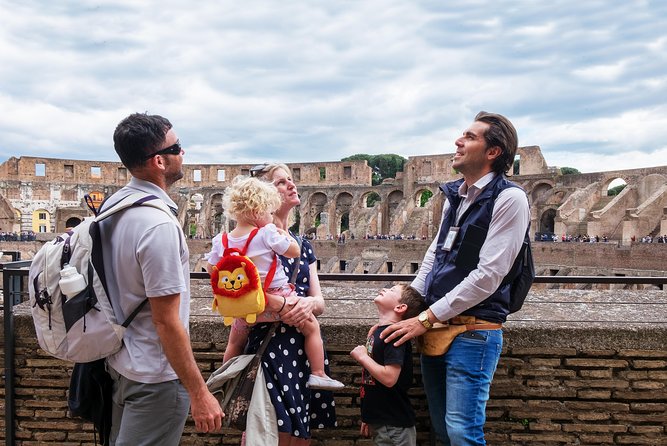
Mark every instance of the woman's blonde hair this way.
pixel 249 198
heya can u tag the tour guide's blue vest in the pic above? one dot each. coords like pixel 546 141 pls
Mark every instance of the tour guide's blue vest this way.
pixel 445 274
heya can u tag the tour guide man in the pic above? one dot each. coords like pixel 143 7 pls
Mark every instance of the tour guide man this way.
pixel 461 282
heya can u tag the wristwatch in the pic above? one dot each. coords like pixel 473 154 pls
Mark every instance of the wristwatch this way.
pixel 423 318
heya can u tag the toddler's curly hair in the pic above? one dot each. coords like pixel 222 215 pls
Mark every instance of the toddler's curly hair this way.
pixel 249 197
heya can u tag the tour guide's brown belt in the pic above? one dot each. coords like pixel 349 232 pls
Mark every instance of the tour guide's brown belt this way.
pixel 436 341
pixel 473 323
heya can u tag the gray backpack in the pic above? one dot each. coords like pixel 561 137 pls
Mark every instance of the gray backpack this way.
pixel 81 327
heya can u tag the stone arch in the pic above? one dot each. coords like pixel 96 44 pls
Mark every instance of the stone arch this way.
pixel 16 227
pixel 344 201
pixel 317 205
pixel 318 201
pixel 606 184
pixel 218 219
pixel 422 196
pixel 371 197
pixel 547 220
pixel 196 201
pixel 72 222
pixel 394 199
pixel 540 192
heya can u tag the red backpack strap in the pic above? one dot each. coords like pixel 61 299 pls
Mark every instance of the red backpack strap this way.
pixel 271 273
pixel 252 235
pixel 224 240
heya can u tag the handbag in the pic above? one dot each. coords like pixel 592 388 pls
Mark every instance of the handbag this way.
pixel 237 392
pixel 436 340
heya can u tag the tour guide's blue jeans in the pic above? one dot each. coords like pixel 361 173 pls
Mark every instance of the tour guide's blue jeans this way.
pixel 457 386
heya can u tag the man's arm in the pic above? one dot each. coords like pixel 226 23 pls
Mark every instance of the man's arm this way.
pixel 205 409
pixel 386 374
pixel 511 215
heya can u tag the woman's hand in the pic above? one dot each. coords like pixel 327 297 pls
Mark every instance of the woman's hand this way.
pixel 301 310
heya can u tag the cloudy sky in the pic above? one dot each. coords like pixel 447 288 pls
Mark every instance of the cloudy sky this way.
pixel 292 81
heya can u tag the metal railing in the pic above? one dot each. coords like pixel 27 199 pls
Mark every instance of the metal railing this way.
pixel 13 274
pixel 12 284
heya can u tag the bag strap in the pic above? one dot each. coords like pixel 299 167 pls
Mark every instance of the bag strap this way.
pixel 295 271
pixel 136 311
pixel 271 273
pixel 251 236
pixel 267 338
pixel 132 200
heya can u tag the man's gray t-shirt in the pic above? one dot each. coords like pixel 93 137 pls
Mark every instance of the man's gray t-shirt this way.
pixel 145 255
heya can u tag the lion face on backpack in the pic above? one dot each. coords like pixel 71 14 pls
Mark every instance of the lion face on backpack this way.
pixel 237 289
pixel 233 281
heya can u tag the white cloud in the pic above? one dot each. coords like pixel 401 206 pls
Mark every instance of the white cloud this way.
pixel 304 81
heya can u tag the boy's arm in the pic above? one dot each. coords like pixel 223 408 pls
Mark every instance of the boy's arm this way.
pixel 386 374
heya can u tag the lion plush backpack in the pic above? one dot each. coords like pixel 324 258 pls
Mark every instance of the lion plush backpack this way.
pixel 237 287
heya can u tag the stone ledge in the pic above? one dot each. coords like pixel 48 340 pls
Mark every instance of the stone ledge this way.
pixel 594 319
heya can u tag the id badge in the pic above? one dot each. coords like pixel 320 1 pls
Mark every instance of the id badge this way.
pixel 451 238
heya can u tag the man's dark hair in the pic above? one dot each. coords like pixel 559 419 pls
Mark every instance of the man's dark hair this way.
pixel 139 135
pixel 414 301
pixel 500 133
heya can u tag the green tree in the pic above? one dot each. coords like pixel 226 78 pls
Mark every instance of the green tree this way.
pixel 569 171
pixel 371 199
pixel 426 195
pixel 616 190
pixel 384 166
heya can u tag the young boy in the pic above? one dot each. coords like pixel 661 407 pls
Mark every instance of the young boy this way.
pixel 387 373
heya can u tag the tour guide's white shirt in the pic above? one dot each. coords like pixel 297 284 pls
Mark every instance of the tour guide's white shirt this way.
pixel 511 215
pixel 145 255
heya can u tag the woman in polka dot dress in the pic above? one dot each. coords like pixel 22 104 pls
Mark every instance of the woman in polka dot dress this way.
pixel 286 369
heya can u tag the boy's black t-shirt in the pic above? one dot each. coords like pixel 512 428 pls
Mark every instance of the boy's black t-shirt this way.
pixel 381 405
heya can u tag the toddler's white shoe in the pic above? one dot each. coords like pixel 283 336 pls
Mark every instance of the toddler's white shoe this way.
pixel 323 383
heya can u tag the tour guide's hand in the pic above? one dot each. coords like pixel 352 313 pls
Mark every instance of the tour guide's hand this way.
pixel 403 331
pixel 301 312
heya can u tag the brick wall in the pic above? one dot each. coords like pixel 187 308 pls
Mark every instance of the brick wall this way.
pixel 554 386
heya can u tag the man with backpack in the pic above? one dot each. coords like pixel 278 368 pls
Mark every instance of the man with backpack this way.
pixel 156 378
pixel 484 225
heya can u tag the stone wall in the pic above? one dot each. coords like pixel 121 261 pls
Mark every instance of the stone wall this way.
pixel 594 258
pixel 569 373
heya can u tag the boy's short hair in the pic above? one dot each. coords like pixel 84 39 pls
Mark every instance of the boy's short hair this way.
pixel 249 197
pixel 414 301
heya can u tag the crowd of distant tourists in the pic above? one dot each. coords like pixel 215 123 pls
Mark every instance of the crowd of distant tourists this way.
pixel 23 236
pixel 546 237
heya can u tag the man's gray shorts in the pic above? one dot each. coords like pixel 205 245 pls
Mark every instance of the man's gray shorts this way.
pixel 147 414
pixel 395 436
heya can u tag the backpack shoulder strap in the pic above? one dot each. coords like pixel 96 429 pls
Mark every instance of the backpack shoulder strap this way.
pixel 251 236
pixel 271 273
pixel 134 200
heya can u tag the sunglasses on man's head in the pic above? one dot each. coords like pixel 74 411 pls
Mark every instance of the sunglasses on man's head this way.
pixel 174 149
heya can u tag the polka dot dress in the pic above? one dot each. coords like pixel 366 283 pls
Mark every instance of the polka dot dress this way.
pixel 286 367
